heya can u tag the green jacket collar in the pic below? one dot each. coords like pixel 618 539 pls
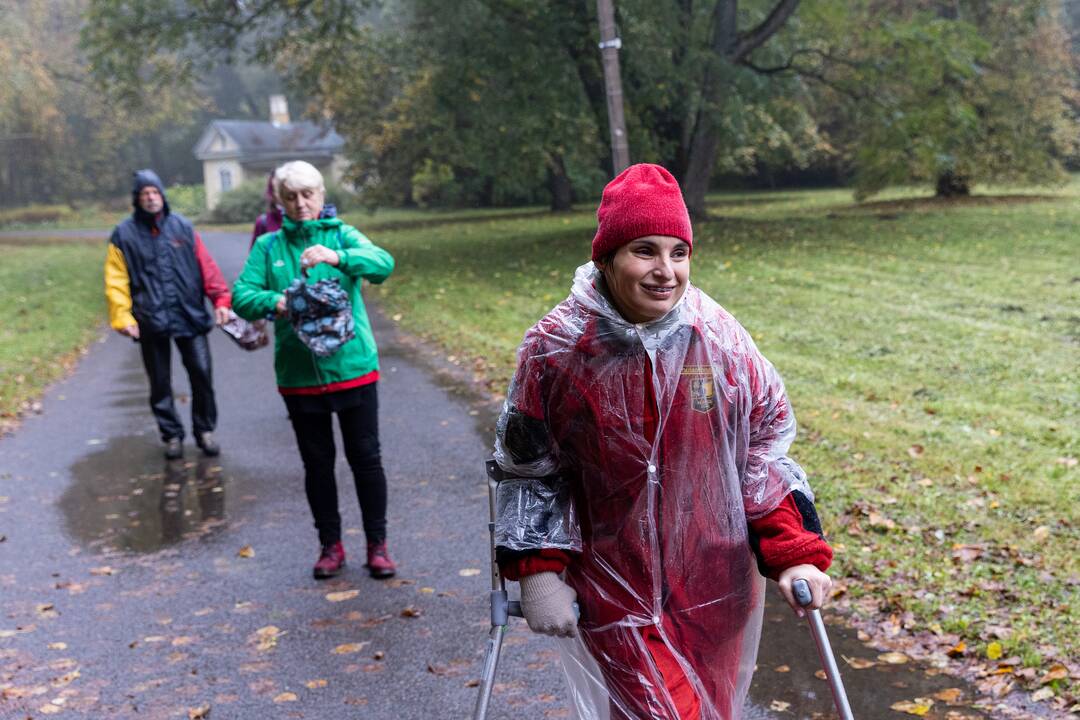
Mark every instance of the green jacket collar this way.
pixel 307 228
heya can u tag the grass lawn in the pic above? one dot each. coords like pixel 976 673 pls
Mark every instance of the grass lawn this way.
pixel 932 352
pixel 53 301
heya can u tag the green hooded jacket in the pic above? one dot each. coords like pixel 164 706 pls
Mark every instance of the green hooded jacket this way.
pixel 274 262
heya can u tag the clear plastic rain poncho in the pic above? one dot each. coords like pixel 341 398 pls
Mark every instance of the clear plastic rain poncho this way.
pixel 644 450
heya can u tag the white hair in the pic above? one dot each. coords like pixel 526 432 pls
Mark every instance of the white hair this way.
pixel 298 175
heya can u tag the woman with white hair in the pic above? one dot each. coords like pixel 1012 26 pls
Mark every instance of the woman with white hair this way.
pixel 315 387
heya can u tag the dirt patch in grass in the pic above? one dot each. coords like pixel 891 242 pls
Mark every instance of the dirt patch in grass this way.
pixel 938 204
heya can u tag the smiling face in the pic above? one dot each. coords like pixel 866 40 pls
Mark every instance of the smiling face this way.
pixel 150 200
pixel 300 205
pixel 647 276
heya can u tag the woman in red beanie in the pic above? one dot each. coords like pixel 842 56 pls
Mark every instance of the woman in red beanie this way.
pixel 649 438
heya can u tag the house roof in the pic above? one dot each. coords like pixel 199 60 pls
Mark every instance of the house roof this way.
pixel 254 140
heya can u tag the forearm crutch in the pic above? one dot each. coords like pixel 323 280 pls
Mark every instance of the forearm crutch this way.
pixel 501 607
pixel 801 590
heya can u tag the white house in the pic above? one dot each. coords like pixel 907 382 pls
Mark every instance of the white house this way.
pixel 233 151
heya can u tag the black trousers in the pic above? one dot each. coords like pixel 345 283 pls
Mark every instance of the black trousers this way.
pixel 157 359
pixel 360 436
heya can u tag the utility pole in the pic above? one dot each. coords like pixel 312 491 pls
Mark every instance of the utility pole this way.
pixel 609 51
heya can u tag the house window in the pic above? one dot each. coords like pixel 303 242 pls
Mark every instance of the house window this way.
pixel 226 179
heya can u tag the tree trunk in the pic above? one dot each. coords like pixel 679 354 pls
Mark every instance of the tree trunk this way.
pixel 729 48
pixel 562 192
pixel 950 185
pixel 702 159
pixel 487 192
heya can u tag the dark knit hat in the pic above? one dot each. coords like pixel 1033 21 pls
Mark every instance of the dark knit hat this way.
pixel 643 200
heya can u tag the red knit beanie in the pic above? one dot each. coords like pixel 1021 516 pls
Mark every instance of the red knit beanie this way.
pixel 643 200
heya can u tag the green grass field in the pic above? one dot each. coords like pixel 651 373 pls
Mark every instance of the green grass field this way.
pixel 52 297
pixel 932 353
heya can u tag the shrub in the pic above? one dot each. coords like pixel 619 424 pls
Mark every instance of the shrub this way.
pixel 242 204
pixel 188 200
pixel 344 200
pixel 35 214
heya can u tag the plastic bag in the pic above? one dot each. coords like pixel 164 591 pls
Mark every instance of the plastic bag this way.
pixel 321 314
pixel 248 335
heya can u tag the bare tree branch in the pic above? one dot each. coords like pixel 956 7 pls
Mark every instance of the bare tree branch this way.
pixel 754 38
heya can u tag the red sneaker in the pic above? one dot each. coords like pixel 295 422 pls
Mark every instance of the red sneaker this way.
pixel 379 563
pixel 331 561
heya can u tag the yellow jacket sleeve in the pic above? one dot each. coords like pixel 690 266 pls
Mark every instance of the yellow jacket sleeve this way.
pixel 118 289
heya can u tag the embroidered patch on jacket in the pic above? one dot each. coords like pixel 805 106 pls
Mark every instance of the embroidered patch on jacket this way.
pixel 702 387
pixel 702 394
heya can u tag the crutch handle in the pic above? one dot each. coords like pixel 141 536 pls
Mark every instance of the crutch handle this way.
pixel 801 590
pixel 513 609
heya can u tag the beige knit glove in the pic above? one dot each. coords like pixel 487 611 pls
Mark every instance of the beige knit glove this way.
pixel 548 605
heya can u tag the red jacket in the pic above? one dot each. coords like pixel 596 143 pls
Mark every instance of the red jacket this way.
pixel 668 440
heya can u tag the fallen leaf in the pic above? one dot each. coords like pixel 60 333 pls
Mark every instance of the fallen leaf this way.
pixel 348 648
pixel 49 709
pixel 858 663
pixel 286 697
pixel 957 650
pixel 893 658
pixel 915 450
pixel 182 640
pixel 820 675
pixel 58 646
pixel 265 638
pixel 342 596
pixel 472 683
pixel 967 553
pixel 315 684
pixel 878 520
pixel 949 695
pixel 779 706
pixel 411 612
pixel 1057 671
pixel 994 650
pixel 199 713
pixel 103 570
pixel 66 679
pixel 782 669
pixel 246 552
pixel 920 706
pixel 468 572
pixel 1041 694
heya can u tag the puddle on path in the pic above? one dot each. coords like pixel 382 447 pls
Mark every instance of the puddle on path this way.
pixel 126 497
pixel 788 661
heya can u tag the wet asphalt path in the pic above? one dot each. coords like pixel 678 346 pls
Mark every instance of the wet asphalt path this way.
pixel 125 591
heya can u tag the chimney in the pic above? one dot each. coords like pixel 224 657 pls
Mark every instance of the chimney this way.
pixel 279 110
